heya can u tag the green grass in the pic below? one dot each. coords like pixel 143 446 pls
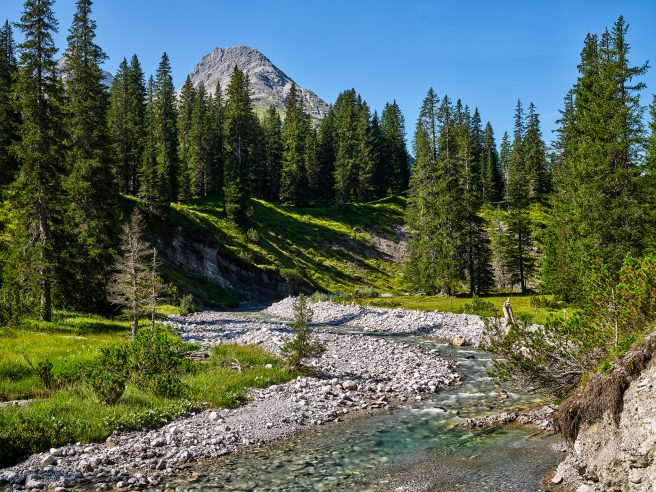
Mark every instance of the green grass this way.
pixel 521 304
pixel 74 413
pixel 330 247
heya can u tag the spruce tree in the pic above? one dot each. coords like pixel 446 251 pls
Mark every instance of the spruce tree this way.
pixel 326 156
pixel 90 184
pixel 537 173
pixel 597 214
pixel 367 158
pixel 199 158
pixel 345 168
pixel 166 134
pixel 9 120
pixel 238 134
pixel 272 130
pixel 491 174
pixel 392 126
pixel 518 258
pixel 504 159
pixel 37 192
pixel 148 175
pixel 295 129
pixel 185 109
pixel 215 144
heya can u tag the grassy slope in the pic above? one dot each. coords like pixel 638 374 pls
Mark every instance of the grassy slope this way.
pixel 305 239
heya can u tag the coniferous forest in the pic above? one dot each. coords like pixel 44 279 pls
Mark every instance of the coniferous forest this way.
pixel 71 148
pixel 445 207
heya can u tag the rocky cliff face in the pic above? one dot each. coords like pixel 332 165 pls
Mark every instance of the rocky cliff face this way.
pixel 617 457
pixel 269 85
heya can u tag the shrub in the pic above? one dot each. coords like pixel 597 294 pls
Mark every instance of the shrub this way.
pixel 108 386
pixel 619 309
pixel 44 372
pixel 300 347
pixel 187 305
pixel 481 308
pixel 153 361
pixel 319 297
pixel 365 293
pixel 166 385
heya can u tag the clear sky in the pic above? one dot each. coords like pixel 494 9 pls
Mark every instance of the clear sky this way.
pixel 487 53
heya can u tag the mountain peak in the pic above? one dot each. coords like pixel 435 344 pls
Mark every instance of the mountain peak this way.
pixel 269 85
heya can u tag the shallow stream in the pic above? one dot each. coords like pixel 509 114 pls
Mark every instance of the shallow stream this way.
pixel 414 445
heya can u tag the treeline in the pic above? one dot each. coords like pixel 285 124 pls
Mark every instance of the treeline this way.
pixel 69 148
pixel 458 173
pixel 471 211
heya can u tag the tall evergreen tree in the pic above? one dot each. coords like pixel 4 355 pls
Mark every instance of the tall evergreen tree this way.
pixel 238 134
pixel 504 158
pixel 491 175
pixel 295 130
pixel 367 158
pixel 215 144
pixel 597 214
pixel 186 105
pixel 148 175
pixel 535 154
pixel 345 168
pixel 519 261
pixel 392 125
pixel 272 130
pixel 8 115
pixel 166 134
pixel 90 184
pixel 326 156
pixel 37 191
pixel 200 134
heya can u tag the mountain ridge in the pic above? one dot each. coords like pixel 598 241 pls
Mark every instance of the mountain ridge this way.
pixel 269 84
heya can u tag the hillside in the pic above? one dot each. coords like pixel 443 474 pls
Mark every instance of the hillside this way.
pixel 285 250
pixel 268 84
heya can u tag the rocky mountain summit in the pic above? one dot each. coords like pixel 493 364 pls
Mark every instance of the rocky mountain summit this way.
pixel 269 85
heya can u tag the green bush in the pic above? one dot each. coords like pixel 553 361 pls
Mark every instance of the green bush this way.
pixel 480 307
pixel 187 305
pixel 319 297
pixel 108 386
pixel 153 361
pixel 44 372
pixel 166 385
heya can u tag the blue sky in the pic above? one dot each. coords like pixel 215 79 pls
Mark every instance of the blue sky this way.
pixel 486 53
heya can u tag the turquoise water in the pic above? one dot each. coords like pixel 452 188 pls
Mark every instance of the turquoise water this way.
pixel 414 444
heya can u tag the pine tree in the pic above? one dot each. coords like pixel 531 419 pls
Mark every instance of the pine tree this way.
pixel 367 158
pixel 90 184
pixel 518 258
pixel 199 158
pixel 491 175
pixel 9 118
pixel 377 148
pixel 166 134
pixel 504 159
pixel 597 215
pixel 326 156
pixel 185 108
pixel 148 175
pixel 239 122
pixel 215 144
pixel 345 168
pixel 537 173
pixel 392 126
pixel 272 129
pixel 434 216
pixel 295 128
pixel 37 191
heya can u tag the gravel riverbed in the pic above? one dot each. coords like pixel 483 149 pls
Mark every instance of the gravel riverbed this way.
pixel 357 373
pixel 434 324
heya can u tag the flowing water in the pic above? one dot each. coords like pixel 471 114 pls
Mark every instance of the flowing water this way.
pixel 412 445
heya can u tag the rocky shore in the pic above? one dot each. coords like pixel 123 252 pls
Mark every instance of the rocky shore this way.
pixel 434 324
pixel 358 372
pixel 540 418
